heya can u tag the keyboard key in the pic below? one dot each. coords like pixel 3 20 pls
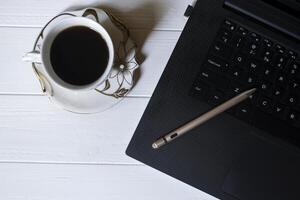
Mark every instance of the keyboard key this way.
pixel 280 61
pixel 292 54
pixel 236 73
pixel 216 97
pixel 265 104
pixel 242 31
pixel 205 75
pixel 267 44
pixel 295 65
pixel 251 80
pixel 268 73
pixel 216 64
pixel 237 41
pixel 235 88
pixel 255 37
pixel 251 48
pixel 254 66
pixel 291 100
pixel 279 49
pixel 200 89
pixel 244 111
pixel 224 36
pixel 281 80
pixel 229 25
pixel 253 98
pixel 221 50
pixel 278 92
pixel 265 86
pixel 293 72
pixel 239 59
pixel 293 116
pixel 279 111
pixel 295 85
pixel 266 56
pixel 293 68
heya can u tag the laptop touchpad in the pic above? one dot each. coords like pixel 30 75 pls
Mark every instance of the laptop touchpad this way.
pixel 265 173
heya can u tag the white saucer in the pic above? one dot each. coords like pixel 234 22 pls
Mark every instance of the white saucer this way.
pixel 121 80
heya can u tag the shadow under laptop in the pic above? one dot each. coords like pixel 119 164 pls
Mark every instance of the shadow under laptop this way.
pixel 140 21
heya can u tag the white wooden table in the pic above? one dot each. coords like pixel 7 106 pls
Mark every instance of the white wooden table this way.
pixel 47 153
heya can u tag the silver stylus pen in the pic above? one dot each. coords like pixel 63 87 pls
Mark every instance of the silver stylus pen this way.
pixel 201 119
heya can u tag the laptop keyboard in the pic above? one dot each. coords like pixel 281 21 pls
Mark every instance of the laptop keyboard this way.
pixel 241 59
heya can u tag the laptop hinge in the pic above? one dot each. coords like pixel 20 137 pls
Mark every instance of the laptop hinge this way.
pixel 268 15
pixel 188 11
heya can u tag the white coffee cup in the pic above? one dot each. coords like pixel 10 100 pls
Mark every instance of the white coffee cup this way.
pixel 56 28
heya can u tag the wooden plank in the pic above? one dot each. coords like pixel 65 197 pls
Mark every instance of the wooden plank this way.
pixel 16 77
pixel 33 130
pixel 146 14
pixel 92 182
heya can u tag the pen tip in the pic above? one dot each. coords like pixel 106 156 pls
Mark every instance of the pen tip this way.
pixel 251 91
pixel 154 146
pixel 158 143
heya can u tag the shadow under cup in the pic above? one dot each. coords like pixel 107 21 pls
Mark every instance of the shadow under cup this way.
pixel 77 53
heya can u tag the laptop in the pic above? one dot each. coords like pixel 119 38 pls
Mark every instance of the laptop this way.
pixel 252 151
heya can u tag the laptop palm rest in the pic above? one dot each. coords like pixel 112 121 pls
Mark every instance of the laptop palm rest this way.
pixel 264 173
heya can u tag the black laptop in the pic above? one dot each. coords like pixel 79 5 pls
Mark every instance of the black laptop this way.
pixel 251 152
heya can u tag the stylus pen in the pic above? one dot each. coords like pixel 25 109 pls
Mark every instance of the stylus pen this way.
pixel 202 119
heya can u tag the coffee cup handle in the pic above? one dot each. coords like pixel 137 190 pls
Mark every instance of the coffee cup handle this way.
pixel 33 57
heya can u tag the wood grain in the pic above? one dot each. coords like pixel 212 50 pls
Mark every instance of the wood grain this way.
pixel 146 14
pixel 91 182
pixel 33 130
pixel 16 76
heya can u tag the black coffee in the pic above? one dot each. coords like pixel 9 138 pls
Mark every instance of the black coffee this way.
pixel 79 55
